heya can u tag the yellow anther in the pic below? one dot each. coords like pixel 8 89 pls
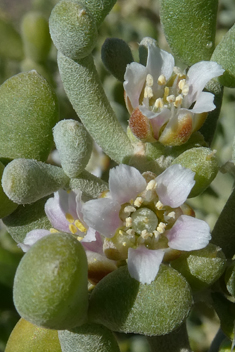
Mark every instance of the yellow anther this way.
pixel 161 80
pixel 130 232
pixel 128 222
pixel 72 228
pixel 124 244
pixel 149 80
pixel 138 202
pixel 170 98
pixel 159 103
pixel 159 205
pixel 185 90
pixel 171 214
pixel 178 101
pixel 148 92
pixel 156 234
pixel 129 209
pixel 151 185
pixel 52 230
pixel 166 93
pixel 145 234
pixel 69 218
pixel 80 226
pixel 121 232
pixel 161 227
pixel 79 238
pixel 181 84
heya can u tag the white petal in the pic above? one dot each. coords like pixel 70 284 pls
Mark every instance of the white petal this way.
pixel 125 183
pixel 67 201
pixel 93 243
pixel 159 62
pixel 197 77
pixel 90 235
pixel 174 185
pixel 135 76
pixel 55 214
pixel 103 215
pixel 32 237
pixel 143 263
pixel 204 103
pixel 188 234
pixel 157 120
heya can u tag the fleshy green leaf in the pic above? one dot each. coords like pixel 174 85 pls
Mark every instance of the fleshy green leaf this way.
pixel 190 27
pixel 6 205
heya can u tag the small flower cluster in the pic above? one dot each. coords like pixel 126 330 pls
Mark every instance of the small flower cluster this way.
pixel 166 104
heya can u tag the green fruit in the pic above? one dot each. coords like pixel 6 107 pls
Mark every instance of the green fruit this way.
pixel 27 337
pixel 50 287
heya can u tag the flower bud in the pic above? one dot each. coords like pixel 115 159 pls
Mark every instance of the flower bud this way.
pixel 29 338
pixel 74 145
pixel 50 287
pixel 73 29
pixel 205 165
pixel 201 268
pixel 24 181
pixel 118 302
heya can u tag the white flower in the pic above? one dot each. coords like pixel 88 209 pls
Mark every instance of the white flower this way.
pixel 171 101
pixel 143 220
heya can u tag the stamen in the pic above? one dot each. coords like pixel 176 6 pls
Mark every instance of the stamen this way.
pixel 72 229
pixel 124 244
pixel 166 93
pixel 156 234
pixel 170 98
pixel 122 233
pixel 151 185
pixel 181 84
pixel 79 238
pixel 185 90
pixel 128 222
pixel 159 103
pixel 178 101
pixel 145 234
pixel 159 205
pixel 169 216
pixel 161 80
pixel 80 226
pixel 129 209
pixel 161 227
pixel 52 230
pixel 148 92
pixel 138 202
pixel 69 218
pixel 130 232
pixel 149 80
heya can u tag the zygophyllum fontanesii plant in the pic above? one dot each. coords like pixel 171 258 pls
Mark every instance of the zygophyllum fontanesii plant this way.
pixel 127 255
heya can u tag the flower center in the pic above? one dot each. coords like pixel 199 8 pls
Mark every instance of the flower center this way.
pixel 145 220
pixel 160 93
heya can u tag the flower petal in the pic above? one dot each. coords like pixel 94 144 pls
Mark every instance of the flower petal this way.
pixel 125 183
pixel 32 237
pixel 204 103
pixel 174 185
pixel 103 215
pixel 143 263
pixel 135 77
pixel 157 120
pixel 159 62
pixel 197 77
pixel 55 214
pixel 93 241
pixel 188 234
pixel 68 202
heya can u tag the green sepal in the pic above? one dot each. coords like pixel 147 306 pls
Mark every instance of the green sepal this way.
pixel 88 337
pixel 25 180
pixel 26 218
pixel 36 36
pixel 28 111
pixel 82 84
pixel 223 234
pixel 116 55
pixel 190 28
pixel 201 268
pixel 50 286
pixel 209 127
pixel 226 313
pixel 89 184
pixel 6 205
pixel 11 46
pixel 118 301
pixel 74 146
pixel 99 9
pixel 73 29
pixel 204 163
pixel 224 55
pixel 27 337
pixel 230 278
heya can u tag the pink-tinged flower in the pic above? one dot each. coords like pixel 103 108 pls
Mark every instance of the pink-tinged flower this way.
pixel 145 220
pixel 166 104
pixel 64 211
